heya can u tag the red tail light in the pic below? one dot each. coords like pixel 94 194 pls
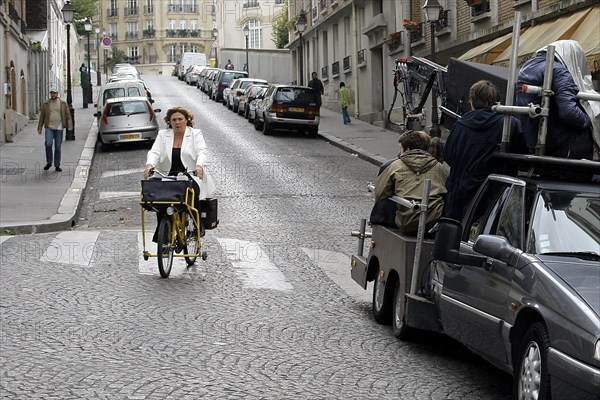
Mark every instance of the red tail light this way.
pixel 278 108
pixel 239 93
pixel 313 111
pixel 221 86
pixel 105 114
pixel 150 110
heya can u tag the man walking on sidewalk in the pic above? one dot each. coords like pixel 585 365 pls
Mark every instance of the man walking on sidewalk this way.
pixel 316 85
pixel 55 116
pixel 344 95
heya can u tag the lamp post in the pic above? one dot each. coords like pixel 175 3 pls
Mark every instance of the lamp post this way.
pixel 300 26
pixel 98 74
pixel 105 55
pixel 215 35
pixel 246 34
pixel 432 10
pixel 68 12
pixel 88 93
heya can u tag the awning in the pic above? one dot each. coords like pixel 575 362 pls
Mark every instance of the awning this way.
pixel 588 35
pixel 542 35
pixel 487 52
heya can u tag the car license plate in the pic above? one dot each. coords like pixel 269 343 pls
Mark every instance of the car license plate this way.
pixel 296 109
pixel 130 136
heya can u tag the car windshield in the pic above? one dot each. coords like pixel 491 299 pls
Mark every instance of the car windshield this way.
pixel 127 108
pixel 295 95
pixel 120 92
pixel 567 223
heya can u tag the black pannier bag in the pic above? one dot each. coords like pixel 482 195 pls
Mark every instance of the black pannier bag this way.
pixel 158 191
pixel 208 213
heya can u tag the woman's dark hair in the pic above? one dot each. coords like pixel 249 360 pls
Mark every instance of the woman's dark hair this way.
pixel 415 140
pixel 189 117
pixel 436 149
pixel 483 95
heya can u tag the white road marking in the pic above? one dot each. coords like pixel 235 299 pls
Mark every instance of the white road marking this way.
pixel 4 238
pixel 253 265
pixel 115 173
pixel 150 266
pixel 337 267
pixel 116 195
pixel 72 247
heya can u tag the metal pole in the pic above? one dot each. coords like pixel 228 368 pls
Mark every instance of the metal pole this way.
pixel 247 65
pixel 301 56
pixel 512 79
pixel 98 73
pixel 89 70
pixel 420 236
pixel 540 148
pixel 435 129
pixel 105 72
pixel 70 132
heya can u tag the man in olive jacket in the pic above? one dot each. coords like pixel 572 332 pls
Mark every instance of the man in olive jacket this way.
pixel 55 116
pixel 405 177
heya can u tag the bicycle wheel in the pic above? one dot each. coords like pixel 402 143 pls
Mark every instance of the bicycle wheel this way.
pixel 165 248
pixel 191 240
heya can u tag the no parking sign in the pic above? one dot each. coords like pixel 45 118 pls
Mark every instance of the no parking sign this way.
pixel 106 42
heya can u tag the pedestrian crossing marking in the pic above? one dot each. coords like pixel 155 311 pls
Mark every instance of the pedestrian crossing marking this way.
pixel 150 266
pixel 4 238
pixel 337 267
pixel 116 195
pixel 253 265
pixel 72 247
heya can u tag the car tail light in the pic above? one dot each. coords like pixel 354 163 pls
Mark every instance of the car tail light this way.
pixel 279 109
pixel 313 112
pixel 150 111
pixel 105 114
pixel 221 86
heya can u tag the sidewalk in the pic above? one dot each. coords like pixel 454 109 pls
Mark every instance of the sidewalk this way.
pixel 33 200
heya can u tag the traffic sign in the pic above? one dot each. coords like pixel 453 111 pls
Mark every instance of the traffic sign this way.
pixel 106 41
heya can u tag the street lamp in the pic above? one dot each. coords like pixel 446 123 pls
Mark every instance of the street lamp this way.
pixel 87 24
pixel 432 10
pixel 215 35
pixel 105 55
pixel 300 26
pixel 98 74
pixel 68 12
pixel 246 34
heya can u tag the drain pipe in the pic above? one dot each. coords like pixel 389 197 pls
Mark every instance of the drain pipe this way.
pixel 355 61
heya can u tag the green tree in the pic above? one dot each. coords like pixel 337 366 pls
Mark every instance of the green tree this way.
pixel 116 58
pixel 84 9
pixel 281 27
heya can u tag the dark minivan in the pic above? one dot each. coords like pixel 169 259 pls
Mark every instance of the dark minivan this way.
pixel 223 80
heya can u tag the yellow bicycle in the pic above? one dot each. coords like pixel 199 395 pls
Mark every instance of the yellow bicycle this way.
pixel 180 228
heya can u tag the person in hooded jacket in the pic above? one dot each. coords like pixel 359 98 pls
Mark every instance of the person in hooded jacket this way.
pixel 472 141
pixel 405 176
pixel 573 125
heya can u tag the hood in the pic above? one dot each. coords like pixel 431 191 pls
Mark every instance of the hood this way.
pixel 582 276
pixel 418 161
pixel 480 120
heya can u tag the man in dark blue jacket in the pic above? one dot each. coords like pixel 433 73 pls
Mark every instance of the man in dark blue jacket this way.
pixel 474 138
pixel 569 132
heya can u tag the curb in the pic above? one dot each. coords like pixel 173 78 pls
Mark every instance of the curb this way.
pixel 350 148
pixel 64 218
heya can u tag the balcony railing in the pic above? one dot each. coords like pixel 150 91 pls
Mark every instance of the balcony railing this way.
pixel 131 11
pixel 250 4
pixel 148 33
pixel 444 21
pixel 395 42
pixel 323 5
pixel 114 37
pixel 325 72
pixel 335 68
pixel 417 33
pixel 346 63
pixel 148 9
pixel 190 8
pixel 112 12
pixel 171 33
pixel 360 57
pixel 314 13
pixel 481 8
pixel 131 35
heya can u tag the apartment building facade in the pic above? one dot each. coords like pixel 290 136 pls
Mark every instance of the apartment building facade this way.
pixel 358 41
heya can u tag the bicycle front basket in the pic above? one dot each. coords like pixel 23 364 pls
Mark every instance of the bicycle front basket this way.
pixel 156 192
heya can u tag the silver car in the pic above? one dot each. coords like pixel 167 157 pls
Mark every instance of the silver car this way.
pixel 236 91
pixel 127 119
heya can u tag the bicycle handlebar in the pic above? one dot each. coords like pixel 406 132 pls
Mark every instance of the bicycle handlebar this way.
pixel 163 175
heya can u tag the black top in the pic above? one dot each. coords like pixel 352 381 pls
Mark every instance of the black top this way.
pixel 176 164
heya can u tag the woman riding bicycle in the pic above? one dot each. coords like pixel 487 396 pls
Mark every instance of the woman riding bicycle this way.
pixel 180 148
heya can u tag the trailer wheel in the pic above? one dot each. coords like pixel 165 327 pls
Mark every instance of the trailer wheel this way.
pixel 381 301
pixel 401 330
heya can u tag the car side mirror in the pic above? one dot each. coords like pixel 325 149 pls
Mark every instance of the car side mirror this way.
pixel 157 110
pixel 97 114
pixel 151 101
pixel 496 247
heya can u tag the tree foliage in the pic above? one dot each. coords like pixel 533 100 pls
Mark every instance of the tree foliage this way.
pixel 85 9
pixel 116 58
pixel 281 28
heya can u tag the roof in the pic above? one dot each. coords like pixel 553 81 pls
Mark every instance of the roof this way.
pixel 122 99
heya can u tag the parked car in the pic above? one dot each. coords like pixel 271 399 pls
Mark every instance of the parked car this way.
pixel 191 76
pixel 249 94
pixel 288 107
pixel 258 97
pixel 127 119
pixel 209 82
pixel 222 81
pixel 237 89
pixel 122 88
pixel 201 84
pixel 226 92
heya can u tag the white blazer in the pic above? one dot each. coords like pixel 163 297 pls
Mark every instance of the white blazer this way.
pixel 193 152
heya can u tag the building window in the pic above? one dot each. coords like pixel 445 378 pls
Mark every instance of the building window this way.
pixel 172 24
pixel 132 52
pixel 132 30
pixel 149 7
pixel 250 3
pixel 172 53
pixel 112 31
pixel 255 36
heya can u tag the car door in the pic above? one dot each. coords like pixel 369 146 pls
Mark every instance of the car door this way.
pixel 476 298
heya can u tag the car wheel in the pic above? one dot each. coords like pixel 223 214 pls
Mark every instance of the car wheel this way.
pixel 532 379
pixel 106 147
pixel 313 132
pixel 401 330
pixel 266 128
pixel 381 301
pixel 246 113
pixel 256 123
pixel 234 108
